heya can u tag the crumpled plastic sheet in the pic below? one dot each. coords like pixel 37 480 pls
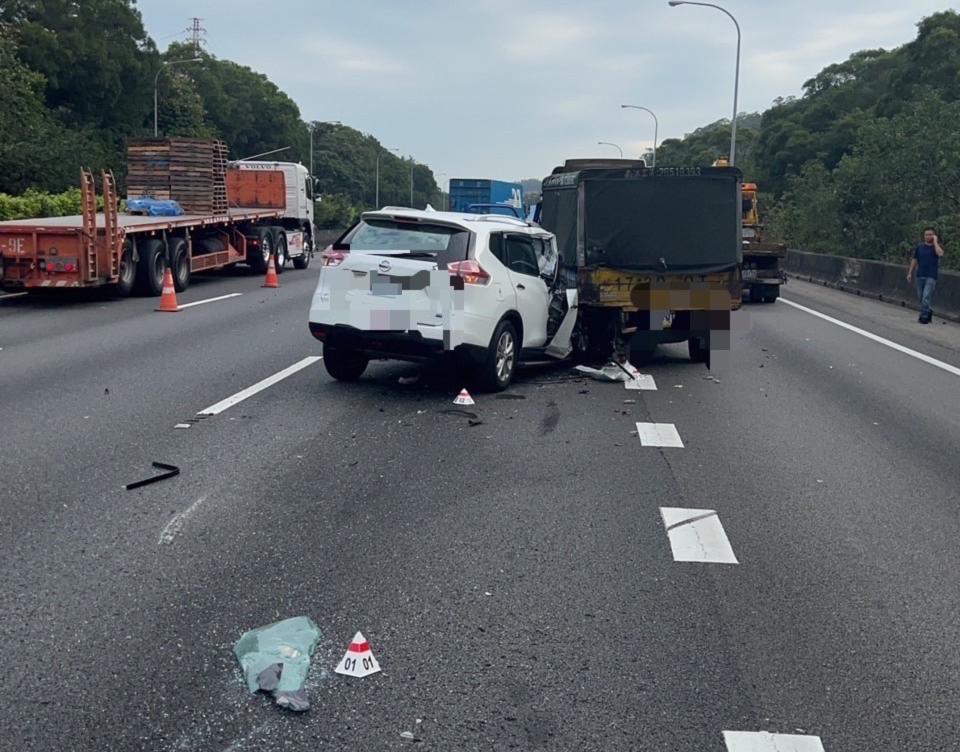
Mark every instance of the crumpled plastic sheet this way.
pixel 276 658
pixel 611 372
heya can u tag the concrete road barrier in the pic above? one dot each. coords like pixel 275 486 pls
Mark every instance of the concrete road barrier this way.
pixel 875 279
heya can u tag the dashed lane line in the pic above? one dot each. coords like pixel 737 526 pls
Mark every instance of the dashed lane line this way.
pixel 876 338
pixel 659 435
pixel 209 300
pixel 762 741
pixel 697 535
pixel 240 396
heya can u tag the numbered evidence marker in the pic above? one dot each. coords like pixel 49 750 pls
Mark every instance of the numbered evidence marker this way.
pixel 464 398
pixel 762 741
pixel 358 661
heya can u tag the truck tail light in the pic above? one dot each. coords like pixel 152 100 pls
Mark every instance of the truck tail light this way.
pixel 333 258
pixel 470 272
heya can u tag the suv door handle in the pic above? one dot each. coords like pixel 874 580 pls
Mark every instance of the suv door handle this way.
pixel 520 286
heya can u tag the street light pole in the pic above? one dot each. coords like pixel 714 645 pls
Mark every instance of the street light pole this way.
pixel 736 79
pixel 156 87
pixel 411 182
pixel 656 126
pixel 615 146
pixel 380 154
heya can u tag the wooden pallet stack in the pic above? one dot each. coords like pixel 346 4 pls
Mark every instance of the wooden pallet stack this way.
pixel 190 171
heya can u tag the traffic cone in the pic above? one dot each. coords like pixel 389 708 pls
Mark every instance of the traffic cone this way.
pixel 358 660
pixel 464 398
pixel 168 298
pixel 272 279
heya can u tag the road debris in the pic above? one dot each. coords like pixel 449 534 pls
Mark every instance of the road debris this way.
pixel 276 658
pixel 182 425
pixel 171 471
pixel 406 380
pixel 629 402
pixel 358 661
pixel 613 372
pixel 475 422
pixel 407 735
pixel 464 398
pixel 584 391
pixel 464 413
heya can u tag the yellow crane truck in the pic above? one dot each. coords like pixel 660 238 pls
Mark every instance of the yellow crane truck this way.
pixel 655 254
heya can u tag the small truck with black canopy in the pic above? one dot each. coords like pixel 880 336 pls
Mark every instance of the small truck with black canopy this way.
pixel 655 254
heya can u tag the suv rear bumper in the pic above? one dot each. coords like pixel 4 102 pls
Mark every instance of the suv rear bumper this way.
pixel 411 346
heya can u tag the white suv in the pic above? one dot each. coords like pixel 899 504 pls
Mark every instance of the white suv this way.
pixel 413 285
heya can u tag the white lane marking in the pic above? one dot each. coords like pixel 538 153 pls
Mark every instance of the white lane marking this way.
pixel 13 295
pixel 876 338
pixel 176 524
pixel 642 381
pixel 210 300
pixel 259 386
pixel 659 435
pixel 763 741
pixel 697 535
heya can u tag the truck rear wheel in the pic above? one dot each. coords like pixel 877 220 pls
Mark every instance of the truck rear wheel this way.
pixel 259 255
pixel 279 249
pixel 344 364
pixel 150 268
pixel 127 273
pixel 180 264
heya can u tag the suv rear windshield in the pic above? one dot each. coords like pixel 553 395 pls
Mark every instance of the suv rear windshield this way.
pixel 419 239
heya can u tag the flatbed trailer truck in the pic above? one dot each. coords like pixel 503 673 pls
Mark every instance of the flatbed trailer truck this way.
pixel 270 213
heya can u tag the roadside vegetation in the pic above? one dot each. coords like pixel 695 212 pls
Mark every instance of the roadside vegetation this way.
pixel 865 158
pixel 77 80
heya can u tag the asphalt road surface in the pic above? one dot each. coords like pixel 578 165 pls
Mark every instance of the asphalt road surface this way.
pixel 516 579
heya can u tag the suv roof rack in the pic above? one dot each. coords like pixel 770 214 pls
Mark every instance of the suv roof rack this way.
pixel 499 218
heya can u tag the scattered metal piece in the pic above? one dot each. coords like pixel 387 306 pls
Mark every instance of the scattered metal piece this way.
pixel 455 411
pixel 172 470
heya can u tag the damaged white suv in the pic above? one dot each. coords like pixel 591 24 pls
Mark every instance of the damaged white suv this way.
pixel 415 285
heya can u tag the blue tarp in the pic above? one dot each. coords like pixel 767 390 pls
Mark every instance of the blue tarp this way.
pixel 154 207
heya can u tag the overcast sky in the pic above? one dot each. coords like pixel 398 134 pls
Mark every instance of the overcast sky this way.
pixel 507 90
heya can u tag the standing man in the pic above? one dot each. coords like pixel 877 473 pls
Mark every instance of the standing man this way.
pixel 926 264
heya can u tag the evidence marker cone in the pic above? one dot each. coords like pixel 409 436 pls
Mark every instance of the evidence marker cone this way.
pixel 168 298
pixel 272 279
pixel 464 398
pixel 358 660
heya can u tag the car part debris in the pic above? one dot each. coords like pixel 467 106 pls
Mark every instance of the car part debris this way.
pixel 172 470
pixel 475 422
pixel 464 413
pixel 614 372
pixel 276 658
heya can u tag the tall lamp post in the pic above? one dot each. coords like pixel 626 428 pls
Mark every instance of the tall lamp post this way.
pixel 313 127
pixel 380 154
pixel 156 87
pixel 656 126
pixel 736 79
pixel 609 143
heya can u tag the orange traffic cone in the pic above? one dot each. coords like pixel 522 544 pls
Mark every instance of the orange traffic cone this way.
pixel 168 298
pixel 272 279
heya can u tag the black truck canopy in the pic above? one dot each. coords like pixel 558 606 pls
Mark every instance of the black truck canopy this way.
pixel 632 218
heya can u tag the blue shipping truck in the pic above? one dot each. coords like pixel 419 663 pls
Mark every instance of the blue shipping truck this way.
pixel 479 196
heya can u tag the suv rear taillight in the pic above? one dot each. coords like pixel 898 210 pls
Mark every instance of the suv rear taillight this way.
pixel 470 272
pixel 333 258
